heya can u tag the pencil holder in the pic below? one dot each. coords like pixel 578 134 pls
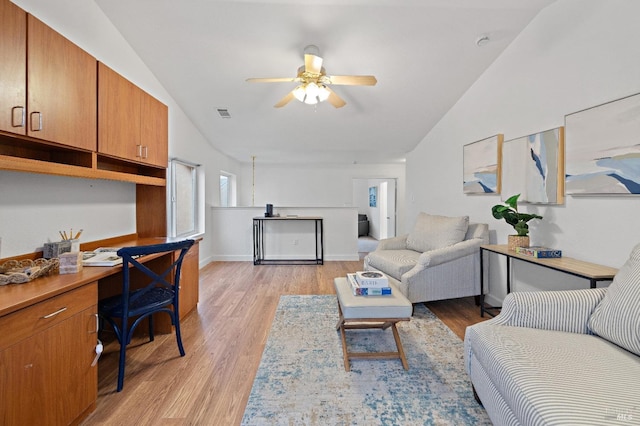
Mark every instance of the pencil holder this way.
pixel 53 250
pixel 75 245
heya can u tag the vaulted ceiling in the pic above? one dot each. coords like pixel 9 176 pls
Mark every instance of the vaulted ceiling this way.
pixel 423 53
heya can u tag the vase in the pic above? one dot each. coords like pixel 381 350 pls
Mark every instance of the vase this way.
pixel 517 241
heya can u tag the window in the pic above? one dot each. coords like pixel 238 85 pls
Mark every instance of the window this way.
pixel 227 190
pixel 184 200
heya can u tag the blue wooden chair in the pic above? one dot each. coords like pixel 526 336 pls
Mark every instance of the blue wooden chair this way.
pixel 125 311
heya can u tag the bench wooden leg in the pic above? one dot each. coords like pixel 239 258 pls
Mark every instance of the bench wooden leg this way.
pixel 343 325
pixel 396 336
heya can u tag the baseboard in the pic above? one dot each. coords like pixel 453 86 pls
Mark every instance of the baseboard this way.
pixel 492 300
pixel 245 258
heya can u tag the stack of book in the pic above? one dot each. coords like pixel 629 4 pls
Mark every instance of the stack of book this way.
pixel 539 252
pixel 369 283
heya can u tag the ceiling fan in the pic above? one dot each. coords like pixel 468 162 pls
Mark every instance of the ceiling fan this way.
pixel 314 82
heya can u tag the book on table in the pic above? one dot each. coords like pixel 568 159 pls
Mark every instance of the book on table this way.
pixel 372 279
pixel 103 256
pixel 539 252
pixel 359 290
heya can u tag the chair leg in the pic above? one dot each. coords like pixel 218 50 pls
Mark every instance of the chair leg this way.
pixel 176 321
pixel 151 336
pixel 121 363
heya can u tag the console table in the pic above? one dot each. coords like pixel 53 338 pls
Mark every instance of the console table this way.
pixel 258 240
pixel 590 271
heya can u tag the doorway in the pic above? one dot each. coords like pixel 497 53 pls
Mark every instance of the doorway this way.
pixel 381 209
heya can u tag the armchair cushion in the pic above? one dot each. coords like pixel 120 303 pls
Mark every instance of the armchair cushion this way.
pixel 617 317
pixel 394 262
pixel 432 232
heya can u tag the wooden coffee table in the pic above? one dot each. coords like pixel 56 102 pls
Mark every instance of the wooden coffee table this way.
pixel 364 312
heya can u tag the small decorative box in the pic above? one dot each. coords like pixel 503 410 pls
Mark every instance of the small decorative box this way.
pixel 70 263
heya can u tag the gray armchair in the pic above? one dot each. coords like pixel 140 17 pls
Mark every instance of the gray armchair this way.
pixel 439 259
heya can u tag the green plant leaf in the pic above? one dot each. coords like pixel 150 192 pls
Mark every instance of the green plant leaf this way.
pixel 513 201
pixel 509 212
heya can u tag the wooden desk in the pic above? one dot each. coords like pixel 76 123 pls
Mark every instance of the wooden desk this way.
pixel 49 334
pixel 590 271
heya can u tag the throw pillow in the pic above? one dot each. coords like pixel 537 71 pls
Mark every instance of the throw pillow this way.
pixel 617 316
pixel 433 232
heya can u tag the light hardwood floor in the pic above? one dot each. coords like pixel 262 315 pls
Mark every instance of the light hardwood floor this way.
pixel 223 341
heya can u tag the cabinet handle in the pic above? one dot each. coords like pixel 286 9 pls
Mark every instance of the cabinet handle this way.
pixel 39 121
pixel 145 151
pixel 53 314
pixel 139 153
pixel 21 114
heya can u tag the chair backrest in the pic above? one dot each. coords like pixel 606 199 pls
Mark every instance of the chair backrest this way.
pixel 168 278
pixel 478 230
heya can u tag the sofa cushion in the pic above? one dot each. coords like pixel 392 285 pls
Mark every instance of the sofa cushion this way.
pixel 433 232
pixel 617 316
pixel 553 377
pixel 393 262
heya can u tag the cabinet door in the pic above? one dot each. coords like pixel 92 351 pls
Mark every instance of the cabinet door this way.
pixel 13 67
pixel 154 131
pixel 62 98
pixel 47 379
pixel 189 281
pixel 118 115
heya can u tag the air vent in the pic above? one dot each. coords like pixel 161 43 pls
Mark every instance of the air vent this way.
pixel 224 113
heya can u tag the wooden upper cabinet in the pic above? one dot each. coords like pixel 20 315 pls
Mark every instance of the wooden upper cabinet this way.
pixel 118 115
pixel 13 68
pixel 132 124
pixel 61 79
pixel 154 130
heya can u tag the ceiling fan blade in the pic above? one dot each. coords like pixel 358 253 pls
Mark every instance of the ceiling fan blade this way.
pixel 284 100
pixel 353 80
pixel 335 100
pixel 272 80
pixel 312 63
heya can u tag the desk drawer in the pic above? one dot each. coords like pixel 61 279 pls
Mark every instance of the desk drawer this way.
pixel 33 319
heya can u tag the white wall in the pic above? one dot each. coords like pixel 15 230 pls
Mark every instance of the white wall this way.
pixel 24 226
pixel 575 54
pixel 307 185
pixel 233 230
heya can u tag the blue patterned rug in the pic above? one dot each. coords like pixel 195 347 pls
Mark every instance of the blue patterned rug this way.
pixel 301 378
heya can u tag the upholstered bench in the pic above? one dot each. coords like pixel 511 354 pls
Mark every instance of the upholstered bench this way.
pixel 363 312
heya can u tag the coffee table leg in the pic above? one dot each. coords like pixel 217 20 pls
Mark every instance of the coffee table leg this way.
pixel 345 354
pixel 396 336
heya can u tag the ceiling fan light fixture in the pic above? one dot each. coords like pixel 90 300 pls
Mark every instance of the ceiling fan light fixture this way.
pixel 311 100
pixel 323 93
pixel 312 90
pixel 299 93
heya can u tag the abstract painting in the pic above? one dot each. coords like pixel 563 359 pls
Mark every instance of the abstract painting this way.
pixel 603 148
pixel 373 196
pixel 481 166
pixel 533 166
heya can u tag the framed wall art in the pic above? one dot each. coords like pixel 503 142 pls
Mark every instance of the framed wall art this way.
pixel 533 166
pixel 373 196
pixel 481 166
pixel 603 148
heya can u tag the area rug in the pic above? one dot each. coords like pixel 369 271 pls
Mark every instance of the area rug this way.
pixel 301 378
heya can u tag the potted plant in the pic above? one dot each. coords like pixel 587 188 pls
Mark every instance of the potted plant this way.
pixel 509 212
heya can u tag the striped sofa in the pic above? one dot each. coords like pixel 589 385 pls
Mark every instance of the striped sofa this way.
pixel 562 357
